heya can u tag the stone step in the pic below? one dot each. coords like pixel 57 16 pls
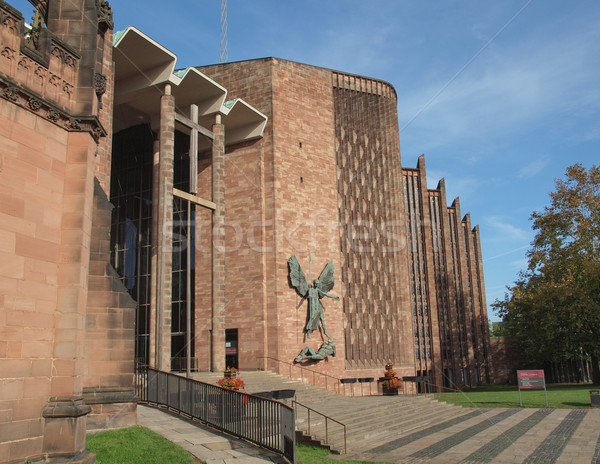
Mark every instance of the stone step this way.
pixel 370 421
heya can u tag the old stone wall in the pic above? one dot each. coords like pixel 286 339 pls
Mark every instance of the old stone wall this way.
pixel 50 131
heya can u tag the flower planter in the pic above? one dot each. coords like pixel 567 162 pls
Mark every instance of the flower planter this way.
pixel 390 391
pixel 595 398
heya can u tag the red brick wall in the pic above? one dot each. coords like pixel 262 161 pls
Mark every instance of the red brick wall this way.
pixel 506 358
pixel 281 196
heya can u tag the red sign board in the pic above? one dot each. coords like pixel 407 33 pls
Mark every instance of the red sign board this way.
pixel 531 379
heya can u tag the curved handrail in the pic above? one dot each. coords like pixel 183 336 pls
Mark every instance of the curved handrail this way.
pixel 450 390
pixel 309 409
pixel 302 369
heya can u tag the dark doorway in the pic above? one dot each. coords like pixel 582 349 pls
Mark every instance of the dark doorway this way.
pixel 231 348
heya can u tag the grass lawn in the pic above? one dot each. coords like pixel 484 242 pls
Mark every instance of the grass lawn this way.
pixel 141 445
pixel 570 396
pixel 317 455
pixel 136 445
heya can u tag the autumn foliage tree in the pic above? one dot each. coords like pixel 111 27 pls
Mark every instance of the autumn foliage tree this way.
pixel 555 305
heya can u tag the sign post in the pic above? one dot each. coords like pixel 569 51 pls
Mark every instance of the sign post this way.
pixel 532 380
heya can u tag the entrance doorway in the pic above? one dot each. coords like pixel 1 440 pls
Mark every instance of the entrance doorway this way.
pixel 231 348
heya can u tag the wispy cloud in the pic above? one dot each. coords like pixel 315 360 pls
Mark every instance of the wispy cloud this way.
pixel 531 169
pixel 504 230
pixel 511 89
pixel 505 253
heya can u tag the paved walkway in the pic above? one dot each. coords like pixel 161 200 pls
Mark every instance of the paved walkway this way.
pixel 203 442
pixel 502 436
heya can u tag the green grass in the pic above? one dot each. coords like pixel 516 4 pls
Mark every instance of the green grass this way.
pixel 136 445
pixel 317 455
pixel 141 445
pixel 570 396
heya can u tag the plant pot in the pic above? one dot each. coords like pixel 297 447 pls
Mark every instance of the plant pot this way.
pixel 595 398
pixel 390 391
pixel 230 375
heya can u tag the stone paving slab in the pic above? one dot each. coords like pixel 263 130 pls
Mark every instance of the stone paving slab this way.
pixel 203 442
pixel 560 436
pixel 498 436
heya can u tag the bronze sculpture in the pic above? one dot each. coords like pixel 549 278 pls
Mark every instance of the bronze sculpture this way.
pixel 327 349
pixel 314 293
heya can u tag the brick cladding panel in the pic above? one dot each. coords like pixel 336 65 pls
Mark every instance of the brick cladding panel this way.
pixel 373 234
pixel 284 187
pixel 247 219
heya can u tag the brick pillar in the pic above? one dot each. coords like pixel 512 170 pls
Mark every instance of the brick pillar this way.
pixel 165 228
pixel 435 363
pixel 65 413
pixel 218 249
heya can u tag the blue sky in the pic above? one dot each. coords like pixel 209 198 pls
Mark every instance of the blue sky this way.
pixel 500 96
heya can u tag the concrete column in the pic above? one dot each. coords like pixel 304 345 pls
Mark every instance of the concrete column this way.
pixel 165 228
pixel 218 249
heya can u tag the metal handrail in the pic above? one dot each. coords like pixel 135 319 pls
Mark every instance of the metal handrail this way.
pixel 309 409
pixel 302 369
pixel 450 390
pixel 267 423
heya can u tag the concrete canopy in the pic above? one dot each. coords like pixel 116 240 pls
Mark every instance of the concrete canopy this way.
pixel 142 69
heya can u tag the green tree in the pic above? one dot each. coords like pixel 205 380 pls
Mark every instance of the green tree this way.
pixel 499 329
pixel 555 304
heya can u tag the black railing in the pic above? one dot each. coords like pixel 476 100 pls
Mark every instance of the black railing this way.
pixel 267 423
pixel 327 419
pixel 325 381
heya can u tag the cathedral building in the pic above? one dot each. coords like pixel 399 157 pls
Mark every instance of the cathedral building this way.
pixel 149 214
pixel 326 181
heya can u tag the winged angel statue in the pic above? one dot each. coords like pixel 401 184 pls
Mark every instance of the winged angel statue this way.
pixel 319 289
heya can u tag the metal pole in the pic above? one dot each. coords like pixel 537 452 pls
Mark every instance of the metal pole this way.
pixel 520 402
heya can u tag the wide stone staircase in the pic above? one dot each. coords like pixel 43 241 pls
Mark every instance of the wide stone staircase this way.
pixel 369 421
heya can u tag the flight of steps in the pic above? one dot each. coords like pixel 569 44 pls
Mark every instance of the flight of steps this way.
pixel 370 420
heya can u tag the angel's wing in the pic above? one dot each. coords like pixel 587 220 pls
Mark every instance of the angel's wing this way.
pixel 297 276
pixel 326 280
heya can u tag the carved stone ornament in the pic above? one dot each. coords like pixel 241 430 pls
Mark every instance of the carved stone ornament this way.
pixel 67 88
pixel 34 103
pixel 41 6
pixel 105 14
pixel 10 93
pixel 8 52
pixel 97 132
pixel 73 124
pixel 24 63
pixel 66 58
pixel 100 83
pixel 53 115
pixel 8 21
pixel 54 80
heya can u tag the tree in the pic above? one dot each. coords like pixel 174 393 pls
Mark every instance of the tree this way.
pixel 499 329
pixel 555 304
